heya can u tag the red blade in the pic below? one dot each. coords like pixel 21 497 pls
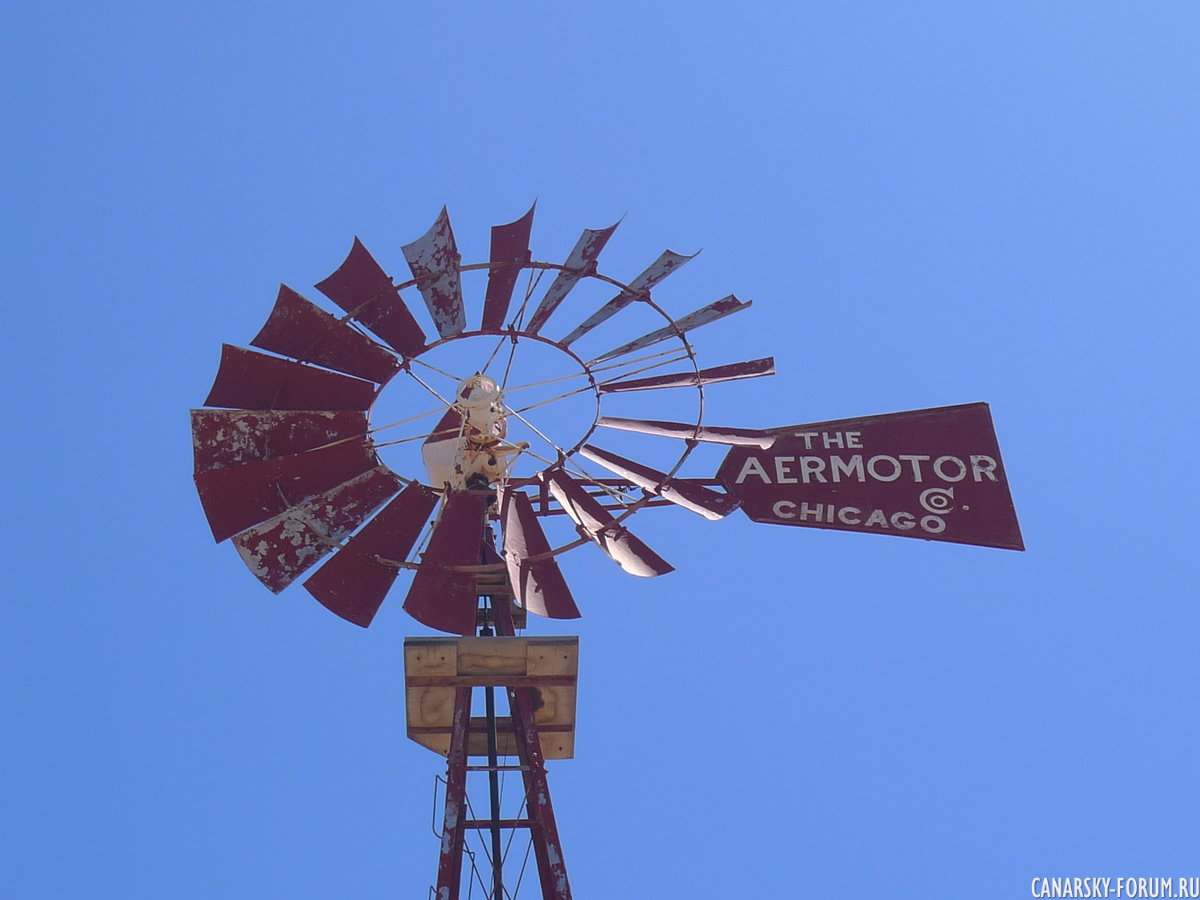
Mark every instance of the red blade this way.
pixel 693 497
pixel 365 291
pixel 280 550
pixel 510 251
pixel 234 437
pixel 711 313
pixel 439 597
pixel 539 585
pixel 249 380
pixel 733 372
pixel 580 262
pixel 435 261
pixel 300 329
pixel 354 582
pixel 622 547
pixel 711 434
pixel 239 497
pixel 667 263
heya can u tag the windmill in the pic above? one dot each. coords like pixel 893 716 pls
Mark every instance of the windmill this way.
pixel 289 466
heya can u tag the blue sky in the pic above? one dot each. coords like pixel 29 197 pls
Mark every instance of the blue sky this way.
pixel 930 203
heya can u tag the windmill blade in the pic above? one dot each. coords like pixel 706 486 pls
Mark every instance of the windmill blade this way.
pixel 240 497
pixel 580 262
pixel 694 497
pixel 510 251
pixel 439 596
pixel 250 380
pixel 539 585
pixel 353 583
pixel 366 292
pixel 302 330
pixel 710 434
pixel 435 263
pixel 703 316
pixel 754 368
pixel 667 263
pixel 596 523
pixel 234 437
pixel 281 549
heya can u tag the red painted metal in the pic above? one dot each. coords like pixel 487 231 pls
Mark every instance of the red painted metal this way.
pixel 754 368
pixel 453 822
pixel 300 329
pixel 250 380
pixel 580 262
pixel 538 583
pixel 934 474
pixel 366 292
pixel 354 582
pixel 712 434
pixel 510 250
pixel 234 437
pixel 718 310
pixel 436 264
pixel 439 596
pixel 689 495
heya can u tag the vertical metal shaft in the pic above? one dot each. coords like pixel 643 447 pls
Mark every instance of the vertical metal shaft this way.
pixel 494 789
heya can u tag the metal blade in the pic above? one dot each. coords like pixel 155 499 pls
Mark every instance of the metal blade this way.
pixel 693 497
pixel 510 251
pixel 300 329
pixel 240 497
pixel 435 261
pixel 250 380
pixel 755 368
pixel 667 263
pixel 711 313
pixel 539 585
pixel 710 434
pixel 280 550
pixel 354 582
pixel 596 523
pixel 234 437
pixel 580 262
pixel 366 292
pixel 440 597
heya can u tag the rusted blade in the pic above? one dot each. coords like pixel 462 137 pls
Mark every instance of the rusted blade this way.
pixel 510 251
pixel 234 437
pixel 300 329
pixel 667 263
pixel 366 292
pixel 595 522
pixel 280 550
pixel 439 596
pixel 538 584
pixel 354 582
pixel 690 496
pixel 755 368
pixel 240 497
pixel 435 261
pixel 710 434
pixel 250 380
pixel 711 313
pixel 580 262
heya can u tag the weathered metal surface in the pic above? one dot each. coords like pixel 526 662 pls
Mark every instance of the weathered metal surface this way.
pixel 450 854
pixel 510 250
pixel 234 437
pixel 703 316
pixel 354 583
pixel 366 292
pixel 754 368
pixel 302 330
pixel 690 496
pixel 934 474
pixel 597 524
pixel 240 497
pixel 435 263
pixel 580 262
pixel 640 287
pixel 281 549
pixel 711 434
pixel 439 596
pixel 250 380
pixel 539 585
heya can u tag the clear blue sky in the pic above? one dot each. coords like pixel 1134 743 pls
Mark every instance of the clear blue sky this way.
pixel 930 203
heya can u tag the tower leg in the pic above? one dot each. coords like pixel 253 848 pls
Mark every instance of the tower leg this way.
pixel 450 858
